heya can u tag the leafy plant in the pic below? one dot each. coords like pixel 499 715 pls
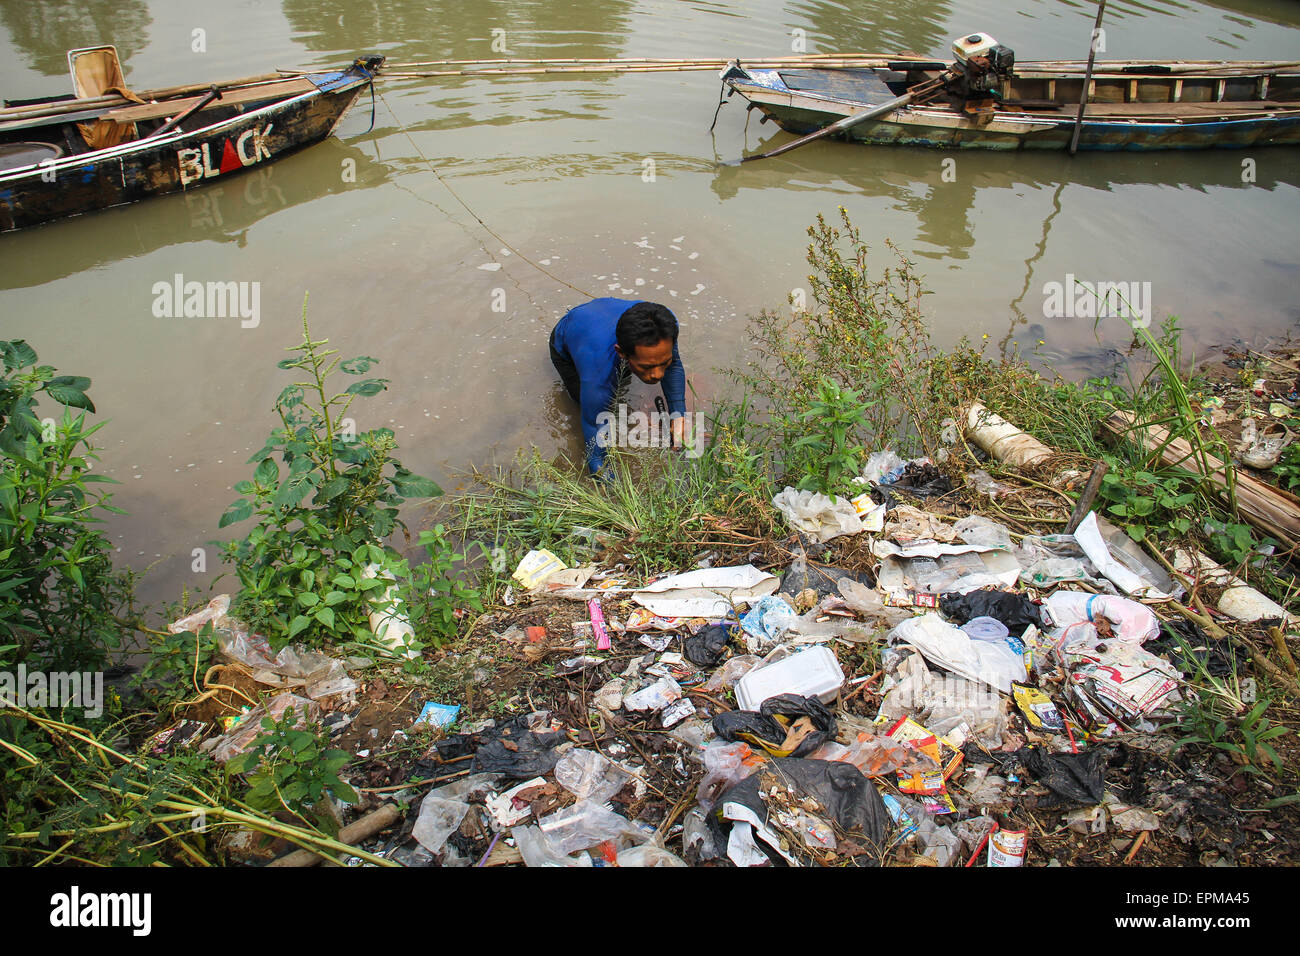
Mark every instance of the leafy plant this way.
pixel 1287 468
pixel 177 662
pixel 294 769
pixel 1146 501
pixel 59 594
pixel 827 457
pixel 434 597
pixel 1222 712
pixel 866 333
pixel 308 567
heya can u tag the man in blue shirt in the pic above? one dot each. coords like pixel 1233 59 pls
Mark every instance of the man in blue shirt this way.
pixel 598 344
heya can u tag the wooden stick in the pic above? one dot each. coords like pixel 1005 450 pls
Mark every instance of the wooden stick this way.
pixel 354 832
pixel 1087 497
pixel 1137 845
pixel 1284 652
pixel 1087 78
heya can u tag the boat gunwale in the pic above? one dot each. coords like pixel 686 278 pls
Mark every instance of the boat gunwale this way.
pixel 147 143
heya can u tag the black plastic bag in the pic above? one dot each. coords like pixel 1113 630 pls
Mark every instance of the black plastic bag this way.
pixel 708 647
pixel 762 727
pixel 848 799
pixel 923 481
pixel 1014 610
pixel 1078 777
pixel 516 751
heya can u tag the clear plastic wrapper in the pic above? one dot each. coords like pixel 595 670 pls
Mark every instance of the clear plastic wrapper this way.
pixel 584 825
pixel 978 530
pixel 725 765
pixel 647 854
pixel 538 850
pixel 250 728
pixel 589 775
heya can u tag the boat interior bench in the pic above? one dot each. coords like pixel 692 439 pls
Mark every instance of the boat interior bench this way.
pixel 251 94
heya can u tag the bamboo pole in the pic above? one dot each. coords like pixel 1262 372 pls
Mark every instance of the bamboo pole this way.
pixel 1270 509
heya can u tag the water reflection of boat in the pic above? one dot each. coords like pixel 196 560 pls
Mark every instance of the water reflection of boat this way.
pixel 986 100
pixel 106 146
pixel 915 181
pixel 223 212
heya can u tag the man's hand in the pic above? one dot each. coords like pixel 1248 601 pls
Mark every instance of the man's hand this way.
pixel 678 428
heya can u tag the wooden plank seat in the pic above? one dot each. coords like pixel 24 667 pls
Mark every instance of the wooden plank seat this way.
pixel 168 108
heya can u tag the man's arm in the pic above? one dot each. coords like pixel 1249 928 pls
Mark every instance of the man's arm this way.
pixel 595 400
pixel 674 385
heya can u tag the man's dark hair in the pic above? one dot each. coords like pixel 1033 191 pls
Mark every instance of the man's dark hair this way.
pixel 646 323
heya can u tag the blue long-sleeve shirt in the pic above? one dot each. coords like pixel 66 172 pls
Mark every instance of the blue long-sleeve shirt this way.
pixel 587 335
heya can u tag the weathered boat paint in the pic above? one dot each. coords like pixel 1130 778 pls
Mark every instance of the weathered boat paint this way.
pixel 176 161
pixel 942 127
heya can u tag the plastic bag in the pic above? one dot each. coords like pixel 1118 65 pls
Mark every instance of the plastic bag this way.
pixel 708 646
pixel 949 647
pixel 530 754
pixel 726 764
pixel 1073 614
pixel 882 467
pixel 250 728
pixel 537 850
pixel 589 775
pixel 937 842
pixel 827 796
pixel 769 619
pixel 1014 610
pixel 1078 777
pixel 816 515
pixel 978 530
pixel 984 484
pixel 655 696
pixel 442 811
pixel 822 578
pixel 731 672
pixel 877 756
pixel 647 855
pixel 584 825
pixel 806 723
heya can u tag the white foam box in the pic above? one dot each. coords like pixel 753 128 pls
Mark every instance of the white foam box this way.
pixel 810 673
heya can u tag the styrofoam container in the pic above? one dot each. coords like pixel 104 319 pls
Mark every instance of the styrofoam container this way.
pixel 810 673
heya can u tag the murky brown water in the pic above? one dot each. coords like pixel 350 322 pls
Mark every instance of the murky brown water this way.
pixel 393 262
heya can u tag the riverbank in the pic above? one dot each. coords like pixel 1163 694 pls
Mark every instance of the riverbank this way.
pixel 652 724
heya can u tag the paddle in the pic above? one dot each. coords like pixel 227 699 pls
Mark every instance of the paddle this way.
pixel 848 122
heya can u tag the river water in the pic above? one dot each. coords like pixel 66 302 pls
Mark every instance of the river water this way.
pixel 556 166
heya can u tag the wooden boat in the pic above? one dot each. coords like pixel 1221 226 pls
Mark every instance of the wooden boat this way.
pixel 106 146
pixel 1132 105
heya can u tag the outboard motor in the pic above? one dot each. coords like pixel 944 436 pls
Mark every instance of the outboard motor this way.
pixel 982 63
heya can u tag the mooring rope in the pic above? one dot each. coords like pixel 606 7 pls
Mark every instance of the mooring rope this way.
pixel 477 218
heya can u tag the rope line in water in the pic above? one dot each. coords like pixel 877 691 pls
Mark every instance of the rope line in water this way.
pixel 477 218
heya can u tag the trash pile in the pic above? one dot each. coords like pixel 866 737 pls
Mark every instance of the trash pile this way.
pixel 967 696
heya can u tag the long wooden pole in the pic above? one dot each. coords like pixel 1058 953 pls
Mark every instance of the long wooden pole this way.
pixel 1087 78
pixel 848 122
